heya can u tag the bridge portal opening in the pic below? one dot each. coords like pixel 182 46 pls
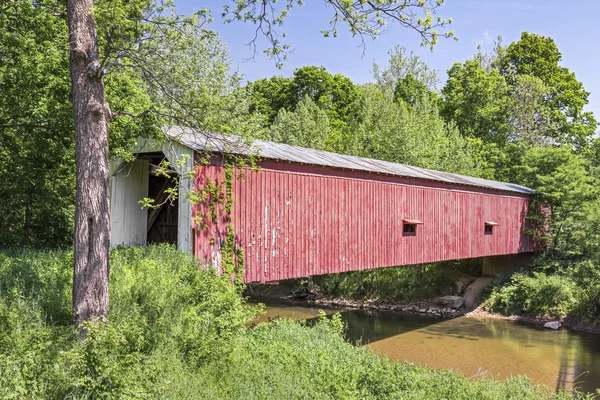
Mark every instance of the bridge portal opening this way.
pixel 132 224
pixel 162 222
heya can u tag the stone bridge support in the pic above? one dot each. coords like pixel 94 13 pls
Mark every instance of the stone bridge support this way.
pixel 506 264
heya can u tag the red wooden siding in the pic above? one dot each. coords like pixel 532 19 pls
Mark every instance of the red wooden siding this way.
pixel 295 221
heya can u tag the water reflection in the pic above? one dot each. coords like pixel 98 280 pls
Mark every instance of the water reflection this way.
pixel 473 346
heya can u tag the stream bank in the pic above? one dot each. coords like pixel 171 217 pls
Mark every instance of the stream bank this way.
pixel 464 302
pixel 474 346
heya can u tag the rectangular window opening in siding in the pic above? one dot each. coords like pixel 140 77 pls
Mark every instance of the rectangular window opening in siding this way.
pixel 489 227
pixel 409 227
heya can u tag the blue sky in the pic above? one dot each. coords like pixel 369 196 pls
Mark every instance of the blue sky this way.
pixel 572 24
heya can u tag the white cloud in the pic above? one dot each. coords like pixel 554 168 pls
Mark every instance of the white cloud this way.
pixel 484 41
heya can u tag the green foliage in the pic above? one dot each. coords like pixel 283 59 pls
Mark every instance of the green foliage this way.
pixel 529 120
pixel 163 293
pixel 519 93
pixel 564 96
pixel 400 65
pixel 418 136
pixel 307 125
pixel 37 174
pixel 42 276
pixel 125 93
pixel 284 359
pixel 167 319
pixel 269 96
pixel 586 277
pixel 334 94
pixel 563 180
pixel 187 74
pixel 420 282
pixel 476 99
pixel 411 90
pixel 555 288
pixel 177 332
pixel 538 295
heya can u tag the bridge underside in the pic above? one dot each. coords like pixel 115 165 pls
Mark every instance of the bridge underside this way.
pixel 489 266
pixel 506 264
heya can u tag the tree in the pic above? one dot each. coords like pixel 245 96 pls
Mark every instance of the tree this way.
pixel 516 98
pixel 307 126
pixel 410 90
pixel 92 115
pixel 477 100
pixel 188 78
pixel 563 180
pixel 416 135
pixel 593 153
pixel 400 66
pixel 36 148
pixel 528 119
pixel 520 92
pixel 268 96
pixel 335 94
pixel 564 96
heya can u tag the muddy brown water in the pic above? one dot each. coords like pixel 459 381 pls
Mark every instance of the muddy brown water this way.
pixel 473 346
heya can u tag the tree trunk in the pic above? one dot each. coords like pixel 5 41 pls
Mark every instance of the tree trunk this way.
pixel 91 115
pixel 27 226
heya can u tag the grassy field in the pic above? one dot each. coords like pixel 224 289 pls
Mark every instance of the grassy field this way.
pixel 181 333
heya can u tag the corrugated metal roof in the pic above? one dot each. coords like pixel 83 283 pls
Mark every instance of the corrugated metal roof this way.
pixel 215 142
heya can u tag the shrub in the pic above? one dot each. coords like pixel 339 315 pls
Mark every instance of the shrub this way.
pixel 419 282
pixel 162 308
pixel 586 275
pixel 538 295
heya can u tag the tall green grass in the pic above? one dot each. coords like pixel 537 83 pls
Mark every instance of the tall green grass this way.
pixel 177 332
pixel 167 318
pixel 286 360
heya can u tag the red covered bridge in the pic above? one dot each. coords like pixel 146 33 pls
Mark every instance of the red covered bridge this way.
pixel 305 212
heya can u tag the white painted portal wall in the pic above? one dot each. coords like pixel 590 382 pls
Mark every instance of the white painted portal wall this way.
pixel 130 185
pixel 128 221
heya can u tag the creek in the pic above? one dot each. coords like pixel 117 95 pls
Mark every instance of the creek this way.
pixel 470 345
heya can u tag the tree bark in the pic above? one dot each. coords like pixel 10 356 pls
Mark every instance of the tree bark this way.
pixel 91 115
pixel 27 225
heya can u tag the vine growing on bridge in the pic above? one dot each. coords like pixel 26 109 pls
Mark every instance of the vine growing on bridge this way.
pixel 216 199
